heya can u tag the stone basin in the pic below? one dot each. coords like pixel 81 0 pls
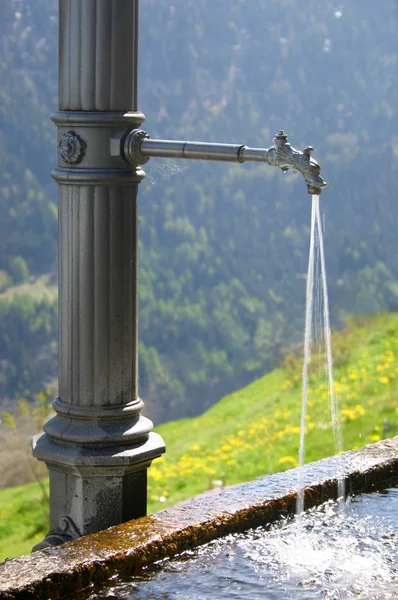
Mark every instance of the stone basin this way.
pixel 79 566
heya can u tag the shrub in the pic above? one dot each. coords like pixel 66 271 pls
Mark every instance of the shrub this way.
pixel 18 269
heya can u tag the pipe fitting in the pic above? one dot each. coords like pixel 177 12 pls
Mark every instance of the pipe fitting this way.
pixel 284 156
pixel 131 147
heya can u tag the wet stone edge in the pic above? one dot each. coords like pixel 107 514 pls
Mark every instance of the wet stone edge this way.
pixel 56 573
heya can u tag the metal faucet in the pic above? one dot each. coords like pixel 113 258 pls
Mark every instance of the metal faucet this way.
pixel 283 155
pixel 99 446
pixel 136 147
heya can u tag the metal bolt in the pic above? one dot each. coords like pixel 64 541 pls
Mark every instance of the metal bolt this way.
pixel 281 135
pixel 63 524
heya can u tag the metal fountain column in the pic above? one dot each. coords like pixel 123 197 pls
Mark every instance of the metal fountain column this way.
pixel 98 446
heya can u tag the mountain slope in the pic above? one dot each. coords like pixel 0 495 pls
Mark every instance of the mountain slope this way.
pixel 223 248
pixel 255 431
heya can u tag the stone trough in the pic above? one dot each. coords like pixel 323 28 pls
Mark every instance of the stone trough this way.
pixel 80 566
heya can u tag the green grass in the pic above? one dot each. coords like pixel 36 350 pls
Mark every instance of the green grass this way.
pixel 23 518
pixel 255 431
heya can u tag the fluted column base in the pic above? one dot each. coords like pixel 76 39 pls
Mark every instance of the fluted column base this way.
pixel 95 487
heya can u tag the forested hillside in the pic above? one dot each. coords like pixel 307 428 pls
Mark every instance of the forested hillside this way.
pixel 223 249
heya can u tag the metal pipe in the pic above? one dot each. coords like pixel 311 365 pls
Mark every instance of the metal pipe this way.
pixel 253 154
pixel 136 147
pixel 202 151
pixel 190 150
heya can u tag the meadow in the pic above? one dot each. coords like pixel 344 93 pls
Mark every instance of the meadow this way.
pixel 252 432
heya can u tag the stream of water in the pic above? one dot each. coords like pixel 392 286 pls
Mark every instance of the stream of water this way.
pixel 317 255
pixel 323 553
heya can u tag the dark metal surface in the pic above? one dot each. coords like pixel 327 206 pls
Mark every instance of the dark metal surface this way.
pixel 98 445
pixel 138 147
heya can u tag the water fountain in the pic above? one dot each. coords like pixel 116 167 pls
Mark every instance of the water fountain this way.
pixel 78 568
pixel 98 446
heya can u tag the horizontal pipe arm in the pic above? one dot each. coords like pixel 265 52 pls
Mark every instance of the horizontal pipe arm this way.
pixel 136 148
pixel 201 151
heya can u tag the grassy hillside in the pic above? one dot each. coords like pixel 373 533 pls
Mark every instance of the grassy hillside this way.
pixel 255 431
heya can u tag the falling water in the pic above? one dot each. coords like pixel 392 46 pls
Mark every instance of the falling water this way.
pixel 316 233
pixel 333 399
pixel 307 356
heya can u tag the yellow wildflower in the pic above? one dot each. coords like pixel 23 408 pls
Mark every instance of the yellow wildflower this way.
pixel 347 413
pixel 288 460
pixel 226 448
pixel 155 473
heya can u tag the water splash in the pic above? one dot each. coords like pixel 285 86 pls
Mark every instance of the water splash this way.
pixel 323 554
pixel 329 554
pixel 160 171
pixel 317 249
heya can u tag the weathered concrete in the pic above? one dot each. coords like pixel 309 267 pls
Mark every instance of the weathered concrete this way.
pixel 56 573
